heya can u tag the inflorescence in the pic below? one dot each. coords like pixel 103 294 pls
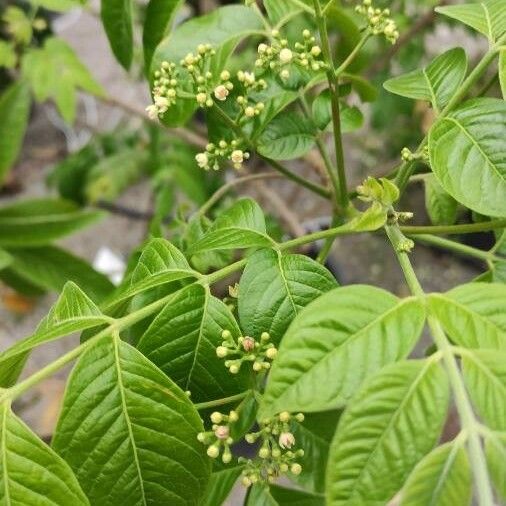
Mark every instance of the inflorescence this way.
pixel 246 349
pixel 379 21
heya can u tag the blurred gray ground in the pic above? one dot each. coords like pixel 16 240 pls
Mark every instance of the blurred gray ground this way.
pixel 359 259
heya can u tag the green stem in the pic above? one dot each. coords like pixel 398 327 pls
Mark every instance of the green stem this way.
pixel 464 407
pixel 467 228
pixel 457 247
pixel 220 402
pixel 406 169
pixel 334 97
pixel 315 188
pixel 223 190
pixel 349 59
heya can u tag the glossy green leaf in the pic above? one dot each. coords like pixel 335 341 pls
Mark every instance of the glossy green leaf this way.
pixel 275 287
pixel 157 24
pixel 442 478
pixel 314 435
pixel 220 485
pixel 182 342
pixel 30 472
pixel 487 17
pixel 335 343
pixel 117 20
pixel 502 71
pixel 240 226
pixel 485 377
pixel 50 267
pixel 473 315
pixel 385 431
pixel 72 312
pixel 8 56
pixel 5 259
pixel 435 83
pixel 57 5
pixel 223 28
pixel 351 117
pixel 280 12
pixel 466 152
pixel 128 432
pixel 40 221
pixel 495 451
pixel 286 137
pixel 441 207
pixel 14 110
pixel 275 495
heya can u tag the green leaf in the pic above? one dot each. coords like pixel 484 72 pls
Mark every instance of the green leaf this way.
pixel 182 342
pixel 8 57
pixel 72 312
pixel 57 5
pixel 473 315
pixel 223 28
pixel 495 451
pixel 442 477
pixel 279 12
pixel 314 435
pixel 286 137
pixel 123 415
pixel 50 267
pixel 240 226
pixel 379 438
pixel 157 24
pixel 485 377
pixel 351 117
pixel 5 259
pixel 30 472
pixel 56 72
pixel 14 109
pixel 39 221
pixel 275 287
pixel 117 20
pixel 441 207
pixel 487 17
pixel 280 496
pixel 18 24
pixel 467 155
pixel 436 83
pixel 160 263
pixel 502 71
pixel 335 343
pixel 220 485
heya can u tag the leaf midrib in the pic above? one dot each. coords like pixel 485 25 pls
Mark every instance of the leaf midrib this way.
pixel 4 455
pixel 121 388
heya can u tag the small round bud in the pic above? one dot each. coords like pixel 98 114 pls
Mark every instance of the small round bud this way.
pixel 276 452
pixel 226 333
pixel 225 75
pixel 221 351
pixel 262 48
pixel 222 144
pixel 285 74
pixel 233 416
pixel 257 366
pixel 264 452
pixel 209 102
pixel 275 33
pixel 234 369
pixel 246 481
pixel 265 336
pixel 201 437
pixel 316 51
pixel 201 98
pixel 299 417
pixel 284 416
pixel 283 468
pixel 250 438
pixel 271 353
pixel 216 417
pixel 306 34
pixel 296 469
pixel 227 456
pixel 249 111
pixel 285 56
pixel 213 451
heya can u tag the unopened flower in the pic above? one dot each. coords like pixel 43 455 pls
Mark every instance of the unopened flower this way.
pixel 248 344
pixel 285 74
pixel 222 432
pixel 237 156
pixel 316 51
pixel 221 92
pixel 213 451
pixel 285 55
pixel 271 353
pixel 221 351
pixel 162 103
pixel 249 111
pixel 216 417
pixel 262 48
pixel 201 98
pixel 286 440
pixel 296 469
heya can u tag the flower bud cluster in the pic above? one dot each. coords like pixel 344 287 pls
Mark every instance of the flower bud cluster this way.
pixel 380 190
pixel 379 21
pixel 246 349
pixel 275 456
pixel 164 90
pixel 279 57
pixel 218 439
pixel 408 156
pixel 249 83
pixel 216 153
